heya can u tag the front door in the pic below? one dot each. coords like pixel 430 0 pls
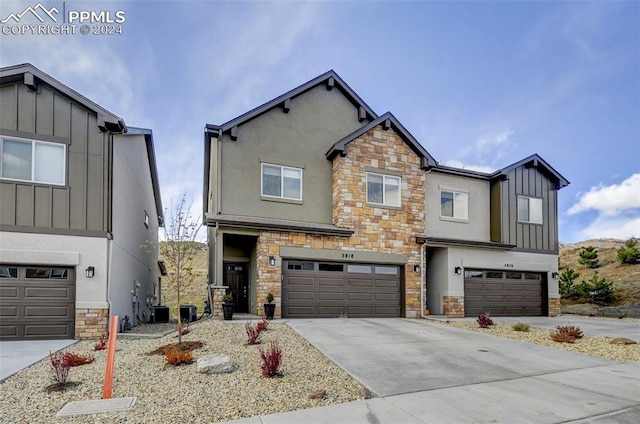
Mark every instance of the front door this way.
pixel 235 277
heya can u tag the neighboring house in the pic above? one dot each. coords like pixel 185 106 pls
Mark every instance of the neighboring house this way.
pixel 79 196
pixel 340 212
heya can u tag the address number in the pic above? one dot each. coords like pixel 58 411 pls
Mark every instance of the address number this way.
pixel 348 255
pixel 508 265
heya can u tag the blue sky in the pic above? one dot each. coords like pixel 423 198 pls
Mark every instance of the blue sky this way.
pixel 480 84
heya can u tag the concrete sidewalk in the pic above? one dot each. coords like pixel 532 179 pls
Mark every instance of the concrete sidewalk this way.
pixel 428 373
pixel 20 354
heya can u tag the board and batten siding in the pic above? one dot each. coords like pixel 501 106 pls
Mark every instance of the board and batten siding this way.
pixel 82 204
pixel 505 227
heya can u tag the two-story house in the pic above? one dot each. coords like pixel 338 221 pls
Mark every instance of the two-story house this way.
pixel 340 212
pixel 79 196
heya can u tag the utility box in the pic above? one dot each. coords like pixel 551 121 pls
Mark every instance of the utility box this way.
pixel 160 314
pixel 188 313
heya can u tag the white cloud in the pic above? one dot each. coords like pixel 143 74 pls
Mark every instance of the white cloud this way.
pixel 491 147
pixel 480 168
pixel 610 200
pixel 618 228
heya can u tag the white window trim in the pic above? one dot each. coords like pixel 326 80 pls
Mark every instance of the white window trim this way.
pixel 384 179
pixel 33 160
pixel 282 168
pixel 453 218
pixel 529 205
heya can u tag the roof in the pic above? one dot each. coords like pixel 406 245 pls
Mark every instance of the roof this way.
pixel 261 223
pixel 329 78
pixel 148 137
pixel 386 121
pixel 535 161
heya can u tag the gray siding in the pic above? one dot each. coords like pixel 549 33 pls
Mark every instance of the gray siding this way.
pixel 317 119
pixel 526 181
pixel 80 205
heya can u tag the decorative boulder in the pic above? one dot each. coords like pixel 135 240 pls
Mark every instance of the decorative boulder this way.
pixel 215 364
pixel 623 341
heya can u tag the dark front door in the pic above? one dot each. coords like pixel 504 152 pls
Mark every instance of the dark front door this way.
pixel 236 278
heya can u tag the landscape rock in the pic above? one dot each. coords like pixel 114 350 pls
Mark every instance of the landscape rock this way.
pixel 366 393
pixel 215 364
pixel 623 341
pixel 318 395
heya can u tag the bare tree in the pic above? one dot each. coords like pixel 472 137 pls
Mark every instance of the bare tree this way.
pixel 179 248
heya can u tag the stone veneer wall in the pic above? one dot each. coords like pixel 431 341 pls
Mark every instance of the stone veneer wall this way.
pixel 554 307
pixel 376 229
pixel 91 323
pixel 453 306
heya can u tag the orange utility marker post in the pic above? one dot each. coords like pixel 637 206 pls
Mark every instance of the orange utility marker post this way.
pixel 107 386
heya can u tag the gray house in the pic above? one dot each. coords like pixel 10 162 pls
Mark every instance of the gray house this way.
pixel 79 195
pixel 339 211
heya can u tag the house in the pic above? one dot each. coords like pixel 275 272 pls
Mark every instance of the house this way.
pixel 79 196
pixel 339 211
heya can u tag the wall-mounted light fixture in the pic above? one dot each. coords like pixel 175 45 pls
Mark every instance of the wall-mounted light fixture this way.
pixel 90 272
pixel 554 275
pixel 457 270
pixel 416 269
pixel 272 261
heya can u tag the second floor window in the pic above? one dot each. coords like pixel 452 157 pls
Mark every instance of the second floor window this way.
pixel 454 204
pixel 281 181
pixel 36 161
pixel 529 210
pixel 383 189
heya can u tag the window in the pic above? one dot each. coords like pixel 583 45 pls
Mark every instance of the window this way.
pixel 387 270
pixel 530 210
pixel 331 267
pixel 454 205
pixel 36 161
pixel 281 181
pixel 146 219
pixel 359 269
pixel 8 272
pixel 383 189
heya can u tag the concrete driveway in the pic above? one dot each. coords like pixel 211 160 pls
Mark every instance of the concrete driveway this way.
pixel 427 372
pixel 19 354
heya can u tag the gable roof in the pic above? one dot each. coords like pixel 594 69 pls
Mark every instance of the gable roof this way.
pixel 153 167
pixel 32 76
pixel 534 161
pixel 330 78
pixel 386 121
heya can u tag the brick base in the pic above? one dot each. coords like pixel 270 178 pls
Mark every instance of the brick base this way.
pixel 217 292
pixel 554 307
pixel 91 323
pixel 453 306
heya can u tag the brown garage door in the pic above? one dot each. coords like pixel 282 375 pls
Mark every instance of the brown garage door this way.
pixel 503 293
pixel 328 290
pixel 37 302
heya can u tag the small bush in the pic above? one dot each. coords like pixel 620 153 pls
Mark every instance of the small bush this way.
pixel 600 290
pixel 567 280
pixel 589 257
pixel 271 360
pixel 176 356
pixel 263 325
pixel 571 330
pixel 75 360
pixel 520 326
pixel 60 367
pixel 102 343
pixel 253 333
pixel 629 253
pixel 484 320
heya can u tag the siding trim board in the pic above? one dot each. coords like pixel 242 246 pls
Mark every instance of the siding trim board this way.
pixel 55 231
pixel 258 223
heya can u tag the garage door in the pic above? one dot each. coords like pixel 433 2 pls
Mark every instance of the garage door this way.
pixel 37 302
pixel 329 290
pixel 503 293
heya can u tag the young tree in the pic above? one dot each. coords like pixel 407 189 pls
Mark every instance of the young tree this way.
pixel 179 248
pixel 629 253
pixel 589 257
pixel 567 278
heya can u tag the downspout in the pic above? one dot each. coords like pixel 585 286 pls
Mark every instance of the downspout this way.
pixel 423 251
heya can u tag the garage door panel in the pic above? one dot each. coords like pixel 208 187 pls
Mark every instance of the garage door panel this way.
pixel 387 311
pixel 301 295
pixel 331 296
pixel 8 311
pixel 494 286
pixel 329 311
pixel 474 285
pixel 362 297
pixel 359 283
pixel 329 282
pixel 53 330
pixel 52 293
pixel 387 284
pixel 48 312
pixel 387 297
pixel 7 293
pixel 9 330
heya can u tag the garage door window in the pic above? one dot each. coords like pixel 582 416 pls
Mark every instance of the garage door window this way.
pixel 473 274
pixel 300 266
pixel 359 269
pixel 47 273
pixel 532 276
pixel 494 274
pixel 331 267
pixel 6 272
pixel 514 275
pixel 387 270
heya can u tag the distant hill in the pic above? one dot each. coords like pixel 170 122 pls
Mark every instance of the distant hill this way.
pixel 626 278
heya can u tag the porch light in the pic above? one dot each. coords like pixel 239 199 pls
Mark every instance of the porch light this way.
pixel 457 270
pixel 90 271
pixel 272 261
pixel 554 275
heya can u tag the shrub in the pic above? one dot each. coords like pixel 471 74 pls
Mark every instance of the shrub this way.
pixel 75 359
pixel 562 337
pixel 60 367
pixel 253 333
pixel 484 320
pixel 629 253
pixel 271 360
pixel 176 356
pixel 571 330
pixel 567 279
pixel 520 326
pixel 262 325
pixel 270 297
pixel 600 290
pixel 102 343
pixel 589 257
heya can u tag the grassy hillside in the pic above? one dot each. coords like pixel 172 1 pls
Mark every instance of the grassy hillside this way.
pixel 626 278
pixel 195 293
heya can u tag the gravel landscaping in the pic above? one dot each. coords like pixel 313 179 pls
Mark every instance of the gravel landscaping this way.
pixel 180 394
